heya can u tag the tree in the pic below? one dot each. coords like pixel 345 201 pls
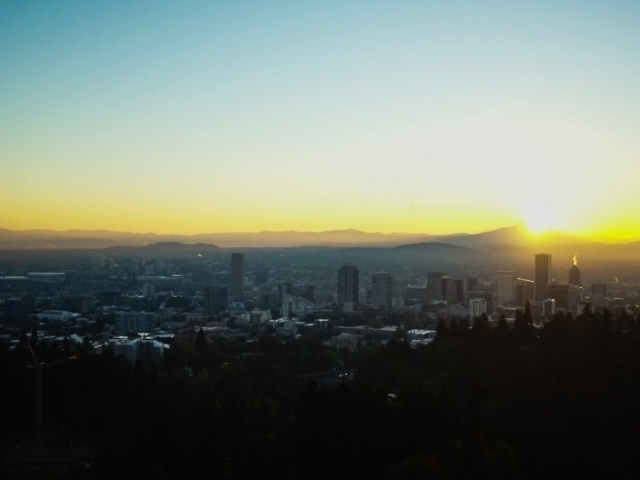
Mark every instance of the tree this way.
pixel 528 317
pixel 503 326
pixel 523 325
pixel 464 326
pixel 201 342
pixel 441 330
pixel 454 327
pixel 481 324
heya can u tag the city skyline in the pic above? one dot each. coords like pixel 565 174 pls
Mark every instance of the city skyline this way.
pixel 215 117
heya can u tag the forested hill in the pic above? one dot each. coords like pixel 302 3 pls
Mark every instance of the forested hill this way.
pixel 494 401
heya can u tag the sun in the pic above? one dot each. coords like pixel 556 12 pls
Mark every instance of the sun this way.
pixel 540 218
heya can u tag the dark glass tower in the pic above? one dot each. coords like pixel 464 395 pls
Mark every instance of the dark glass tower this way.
pixel 574 276
pixel 348 284
pixel 542 276
pixel 237 277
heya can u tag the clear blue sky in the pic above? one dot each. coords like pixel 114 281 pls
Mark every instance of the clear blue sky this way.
pixel 424 116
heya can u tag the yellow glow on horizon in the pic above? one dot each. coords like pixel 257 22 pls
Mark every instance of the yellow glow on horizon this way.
pixel 419 180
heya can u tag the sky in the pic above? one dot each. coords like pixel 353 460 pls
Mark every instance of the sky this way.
pixel 428 116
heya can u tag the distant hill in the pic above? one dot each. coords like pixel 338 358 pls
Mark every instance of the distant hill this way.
pixel 162 248
pixel 185 246
pixel 517 235
pixel 496 240
pixel 434 247
pixel 101 239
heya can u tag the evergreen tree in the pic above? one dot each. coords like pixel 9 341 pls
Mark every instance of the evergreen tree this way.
pixel 464 326
pixel 201 342
pixel 527 316
pixel 523 325
pixel 502 327
pixel 454 327
pixel 481 324
pixel 441 330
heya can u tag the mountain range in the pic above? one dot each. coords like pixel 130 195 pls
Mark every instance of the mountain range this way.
pixel 515 236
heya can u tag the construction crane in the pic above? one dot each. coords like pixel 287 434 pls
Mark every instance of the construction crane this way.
pixel 38 367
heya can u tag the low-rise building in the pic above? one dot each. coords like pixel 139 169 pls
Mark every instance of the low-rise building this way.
pixel 55 315
pixel 347 340
pixel 139 322
pixel 149 351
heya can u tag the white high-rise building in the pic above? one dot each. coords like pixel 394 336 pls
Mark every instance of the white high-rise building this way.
pixel 549 308
pixel 477 306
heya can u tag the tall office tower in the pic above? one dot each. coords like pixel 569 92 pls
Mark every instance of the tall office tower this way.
pixel 215 299
pixel 567 297
pixel 470 283
pixel 284 289
pixel 451 290
pixel 237 277
pixel 287 306
pixel 458 285
pixel 542 276
pixel 524 291
pixel 574 275
pixel 506 287
pixel 434 285
pixel 348 284
pixel 382 288
pixel 417 293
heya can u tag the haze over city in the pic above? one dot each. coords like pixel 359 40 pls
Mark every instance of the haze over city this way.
pixel 417 117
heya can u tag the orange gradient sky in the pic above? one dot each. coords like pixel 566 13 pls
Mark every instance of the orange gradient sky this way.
pixel 405 117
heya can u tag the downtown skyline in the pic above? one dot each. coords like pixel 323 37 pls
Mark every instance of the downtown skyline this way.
pixel 413 117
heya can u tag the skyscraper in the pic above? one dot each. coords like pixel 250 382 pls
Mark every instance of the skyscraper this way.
pixel 452 290
pixel 574 275
pixel 470 283
pixel 382 288
pixel 567 297
pixel 434 285
pixel 523 291
pixel 506 287
pixel 284 289
pixel 237 277
pixel 542 276
pixel 348 284
pixel 417 293
pixel 215 299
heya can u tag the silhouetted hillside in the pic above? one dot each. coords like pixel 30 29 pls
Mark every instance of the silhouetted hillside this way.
pixel 435 247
